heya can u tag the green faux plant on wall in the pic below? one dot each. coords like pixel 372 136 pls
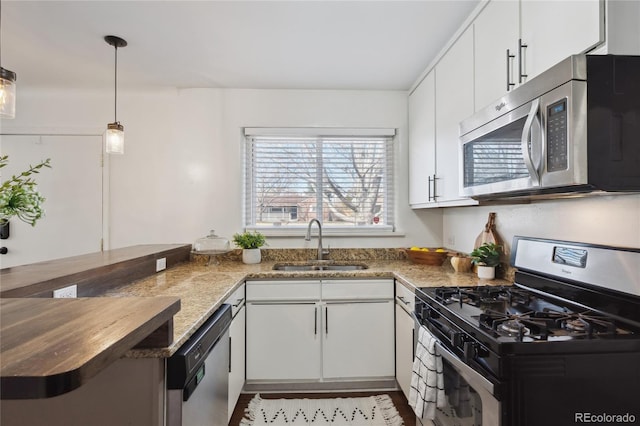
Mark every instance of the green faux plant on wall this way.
pixel 19 195
pixel 249 240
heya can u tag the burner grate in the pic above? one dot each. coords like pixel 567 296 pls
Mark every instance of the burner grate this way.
pixel 541 325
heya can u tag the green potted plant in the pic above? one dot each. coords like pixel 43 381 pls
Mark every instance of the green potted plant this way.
pixel 250 243
pixel 486 258
pixel 19 196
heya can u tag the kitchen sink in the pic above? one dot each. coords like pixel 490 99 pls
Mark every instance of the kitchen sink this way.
pixel 318 267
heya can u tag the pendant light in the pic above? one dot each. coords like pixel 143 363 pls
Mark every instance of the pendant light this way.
pixel 7 84
pixel 114 135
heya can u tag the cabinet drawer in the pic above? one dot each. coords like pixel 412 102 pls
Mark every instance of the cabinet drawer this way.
pixel 405 297
pixel 236 300
pixel 357 289
pixel 283 290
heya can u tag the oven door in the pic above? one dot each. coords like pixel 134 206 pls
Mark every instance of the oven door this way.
pixel 470 399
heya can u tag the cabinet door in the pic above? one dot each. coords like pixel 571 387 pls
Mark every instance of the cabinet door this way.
pixel 404 349
pixel 422 139
pixel 358 340
pixel 454 102
pixel 556 29
pixel 283 341
pixel 496 30
pixel 237 359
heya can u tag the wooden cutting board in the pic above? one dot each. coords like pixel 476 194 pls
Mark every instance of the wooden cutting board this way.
pixel 489 233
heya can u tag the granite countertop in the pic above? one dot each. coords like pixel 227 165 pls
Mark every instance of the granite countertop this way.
pixel 202 288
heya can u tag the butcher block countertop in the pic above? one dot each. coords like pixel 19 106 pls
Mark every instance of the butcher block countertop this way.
pixel 52 346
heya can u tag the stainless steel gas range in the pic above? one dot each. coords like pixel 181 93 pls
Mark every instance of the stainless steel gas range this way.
pixel 560 347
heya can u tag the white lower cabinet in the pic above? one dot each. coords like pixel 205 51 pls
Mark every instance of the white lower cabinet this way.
pixel 319 330
pixel 237 361
pixel 358 340
pixel 237 347
pixel 404 337
pixel 282 341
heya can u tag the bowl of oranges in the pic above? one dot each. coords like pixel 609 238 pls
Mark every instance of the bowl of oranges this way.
pixel 426 256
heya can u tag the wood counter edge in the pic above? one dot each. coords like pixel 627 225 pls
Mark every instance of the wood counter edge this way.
pixel 50 385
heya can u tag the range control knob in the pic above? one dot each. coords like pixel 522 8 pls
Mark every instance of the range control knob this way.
pixel 469 350
pixel 455 338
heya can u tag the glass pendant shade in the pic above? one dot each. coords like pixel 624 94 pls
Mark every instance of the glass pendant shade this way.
pixel 7 93
pixel 114 138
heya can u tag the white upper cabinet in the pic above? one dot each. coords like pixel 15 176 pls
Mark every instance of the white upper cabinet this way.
pixel 553 30
pixel 496 32
pixel 504 44
pixel 454 103
pixel 422 141
pixel 436 107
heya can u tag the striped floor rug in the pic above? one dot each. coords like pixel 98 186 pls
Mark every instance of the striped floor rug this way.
pixel 366 411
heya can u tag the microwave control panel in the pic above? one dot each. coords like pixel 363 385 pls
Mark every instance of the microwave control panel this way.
pixel 557 136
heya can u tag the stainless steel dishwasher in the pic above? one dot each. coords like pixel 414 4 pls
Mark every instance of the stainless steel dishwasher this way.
pixel 198 375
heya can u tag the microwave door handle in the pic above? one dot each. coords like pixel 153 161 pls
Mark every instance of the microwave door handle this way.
pixel 526 142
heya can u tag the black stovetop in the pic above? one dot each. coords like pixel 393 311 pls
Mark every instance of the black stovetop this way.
pixel 513 314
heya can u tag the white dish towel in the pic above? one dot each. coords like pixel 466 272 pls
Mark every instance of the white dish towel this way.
pixel 427 380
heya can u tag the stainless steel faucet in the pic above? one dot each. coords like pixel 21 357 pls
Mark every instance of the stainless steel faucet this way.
pixel 321 252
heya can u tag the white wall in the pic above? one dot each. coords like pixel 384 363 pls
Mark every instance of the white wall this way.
pixel 610 220
pixel 181 173
pixel 326 108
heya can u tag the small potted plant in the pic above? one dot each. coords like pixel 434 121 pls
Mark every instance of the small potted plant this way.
pixel 250 243
pixel 486 258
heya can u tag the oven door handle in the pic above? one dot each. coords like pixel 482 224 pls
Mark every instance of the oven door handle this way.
pixel 469 374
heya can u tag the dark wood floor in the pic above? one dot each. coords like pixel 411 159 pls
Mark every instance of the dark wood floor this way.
pixel 397 396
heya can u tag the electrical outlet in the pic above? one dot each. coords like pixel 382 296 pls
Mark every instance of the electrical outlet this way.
pixel 161 264
pixel 66 292
pixel 451 240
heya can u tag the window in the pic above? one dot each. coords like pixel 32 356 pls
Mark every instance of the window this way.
pixel 345 181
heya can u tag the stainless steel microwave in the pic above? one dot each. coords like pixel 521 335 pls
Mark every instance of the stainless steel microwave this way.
pixel 574 128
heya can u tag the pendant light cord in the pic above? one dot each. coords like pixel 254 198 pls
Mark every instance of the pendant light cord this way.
pixel 115 105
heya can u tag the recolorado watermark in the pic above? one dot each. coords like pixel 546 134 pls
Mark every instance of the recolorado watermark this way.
pixel 604 418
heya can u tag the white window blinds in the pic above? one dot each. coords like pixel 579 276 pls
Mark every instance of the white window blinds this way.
pixel 344 181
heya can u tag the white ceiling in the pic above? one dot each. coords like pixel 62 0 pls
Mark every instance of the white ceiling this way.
pixel 300 44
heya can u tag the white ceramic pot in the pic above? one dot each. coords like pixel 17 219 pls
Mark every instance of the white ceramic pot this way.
pixel 251 256
pixel 486 272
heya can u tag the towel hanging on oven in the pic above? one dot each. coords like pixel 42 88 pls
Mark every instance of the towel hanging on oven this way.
pixel 427 381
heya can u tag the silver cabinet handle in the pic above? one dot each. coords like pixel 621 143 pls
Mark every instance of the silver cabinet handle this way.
pixel 403 300
pixel 435 190
pixel 432 180
pixel 521 74
pixel 326 320
pixel 509 58
pixel 315 321
pixel 238 302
